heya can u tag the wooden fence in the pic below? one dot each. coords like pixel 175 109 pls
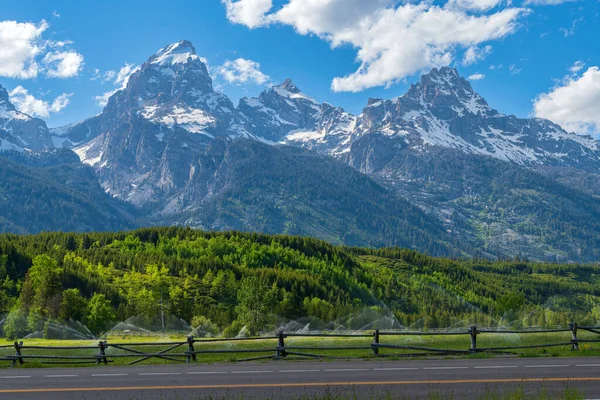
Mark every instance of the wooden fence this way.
pixel 191 349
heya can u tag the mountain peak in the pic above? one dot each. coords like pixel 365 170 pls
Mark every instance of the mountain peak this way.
pixel 175 53
pixel 174 73
pixel 445 76
pixel 290 86
pixel 444 88
pixel 181 47
pixel 289 90
pixel 4 98
pixel 447 71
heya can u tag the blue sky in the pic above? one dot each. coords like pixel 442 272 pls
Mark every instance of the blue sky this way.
pixel 533 48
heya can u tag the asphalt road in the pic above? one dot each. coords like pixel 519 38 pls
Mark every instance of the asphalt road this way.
pixel 292 379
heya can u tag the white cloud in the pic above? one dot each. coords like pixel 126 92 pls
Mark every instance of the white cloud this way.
pixel 392 41
pixel 118 78
pixel 476 77
pixel 55 14
pixel 65 64
pixel 21 46
pixel 578 66
pixel 574 104
pixel 28 104
pixel 124 73
pixel 481 5
pixel 102 100
pixel 242 71
pixel 512 68
pixel 332 19
pixel 571 31
pixel 248 12
pixel 475 54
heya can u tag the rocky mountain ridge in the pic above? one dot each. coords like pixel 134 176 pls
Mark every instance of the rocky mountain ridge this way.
pixel 19 131
pixel 174 147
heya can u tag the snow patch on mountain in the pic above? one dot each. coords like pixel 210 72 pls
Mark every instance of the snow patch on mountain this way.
pixel 90 153
pixel 190 119
pixel 176 53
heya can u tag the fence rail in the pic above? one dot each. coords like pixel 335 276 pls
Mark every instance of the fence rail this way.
pixel 191 349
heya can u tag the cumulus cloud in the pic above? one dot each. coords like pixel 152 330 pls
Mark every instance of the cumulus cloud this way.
pixel 242 71
pixel 481 5
pixel 476 77
pixel 28 104
pixel 248 12
pixel 475 54
pixel 392 41
pixel 574 103
pixel 22 46
pixel 118 78
pixel 65 64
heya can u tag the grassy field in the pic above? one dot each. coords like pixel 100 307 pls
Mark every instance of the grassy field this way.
pixel 310 345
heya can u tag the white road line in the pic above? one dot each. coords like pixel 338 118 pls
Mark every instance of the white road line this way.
pixel 15 377
pixel 205 373
pixel 300 370
pixel 59 376
pixel 251 372
pixel 496 366
pixel 587 365
pixel 100 375
pixel 547 366
pixel 446 368
pixel 346 370
pixel 159 373
pixel 393 369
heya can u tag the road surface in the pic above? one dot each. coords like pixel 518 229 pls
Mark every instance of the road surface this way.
pixel 294 379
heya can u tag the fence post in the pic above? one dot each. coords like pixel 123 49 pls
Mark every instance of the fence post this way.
pixel 102 356
pixel 191 352
pixel 375 345
pixel 18 354
pixel 280 353
pixel 575 343
pixel 473 332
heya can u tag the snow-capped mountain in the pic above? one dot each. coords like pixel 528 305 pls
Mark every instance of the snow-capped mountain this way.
pixel 443 110
pixel 279 110
pixel 283 114
pixel 154 128
pixel 446 150
pixel 168 142
pixel 19 131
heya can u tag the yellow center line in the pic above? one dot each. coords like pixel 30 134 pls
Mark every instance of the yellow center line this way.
pixel 307 384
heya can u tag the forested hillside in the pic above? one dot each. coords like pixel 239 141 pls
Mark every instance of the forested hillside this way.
pixel 54 191
pixel 224 282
